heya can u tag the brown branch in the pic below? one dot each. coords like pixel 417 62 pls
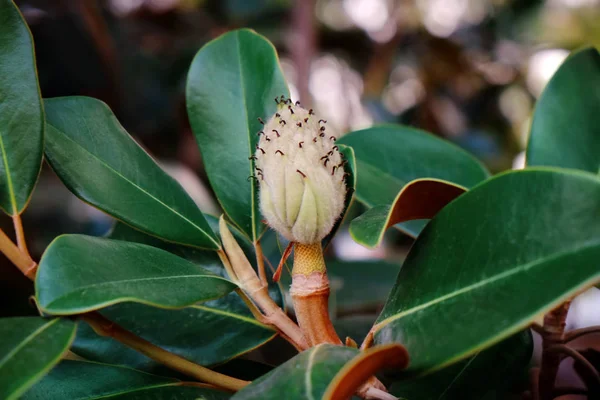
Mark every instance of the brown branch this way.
pixel 105 327
pixel 260 263
pixel 245 277
pixel 552 336
pixel 310 294
pixel 575 355
pixel 20 233
pixel 20 259
pixel 577 333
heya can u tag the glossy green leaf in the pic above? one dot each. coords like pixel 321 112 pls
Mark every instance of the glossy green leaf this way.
pixel 306 376
pixel 80 273
pixel 244 369
pixel 390 156
pixel 101 164
pixel 209 333
pixel 487 265
pixel 490 374
pixel 418 200
pixel 21 112
pixel 565 130
pixel 83 380
pixel 232 82
pixel 360 286
pixel 354 326
pixel 350 169
pixel 30 347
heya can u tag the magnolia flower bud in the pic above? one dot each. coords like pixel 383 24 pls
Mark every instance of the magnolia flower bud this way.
pixel 301 174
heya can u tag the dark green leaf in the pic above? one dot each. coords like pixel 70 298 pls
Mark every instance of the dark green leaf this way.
pixel 233 81
pixel 361 286
pixel 98 161
pixel 418 200
pixel 305 376
pixel 390 156
pixel 490 374
pixel 81 380
pixel 21 112
pixel 82 273
pixel 208 333
pixel 565 130
pixel 349 168
pixel 488 264
pixel 355 326
pixel 247 370
pixel 29 347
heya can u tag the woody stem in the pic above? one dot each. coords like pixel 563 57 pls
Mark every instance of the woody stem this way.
pixel 310 294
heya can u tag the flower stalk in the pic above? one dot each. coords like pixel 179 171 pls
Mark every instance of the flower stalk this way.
pixel 241 272
pixel 310 294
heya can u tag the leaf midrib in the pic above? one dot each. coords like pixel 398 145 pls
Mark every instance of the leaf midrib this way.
pixel 231 315
pixel 11 190
pixel 156 278
pixel 247 124
pixel 28 339
pixel 484 282
pixel 117 173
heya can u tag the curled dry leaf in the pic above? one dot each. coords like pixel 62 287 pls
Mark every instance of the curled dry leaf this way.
pixel 419 199
pixel 361 369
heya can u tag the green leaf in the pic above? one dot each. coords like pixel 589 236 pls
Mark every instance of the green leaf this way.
pixel 488 264
pixel 306 376
pixel 21 112
pixel 208 333
pixel 354 326
pixel 83 380
pixel 233 80
pixel 359 286
pixel 490 374
pixel 349 168
pixel 101 164
pixel 565 130
pixel 418 200
pixel 241 368
pixel 30 347
pixel 80 273
pixel 390 156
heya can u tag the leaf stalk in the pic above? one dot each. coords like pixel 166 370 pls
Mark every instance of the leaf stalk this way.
pixel 105 327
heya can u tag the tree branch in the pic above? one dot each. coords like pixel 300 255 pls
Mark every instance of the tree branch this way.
pixel 19 258
pixel 105 327
pixel 552 336
pixel 575 355
pixel 577 333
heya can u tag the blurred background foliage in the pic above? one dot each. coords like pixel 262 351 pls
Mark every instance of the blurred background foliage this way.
pixel 467 70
